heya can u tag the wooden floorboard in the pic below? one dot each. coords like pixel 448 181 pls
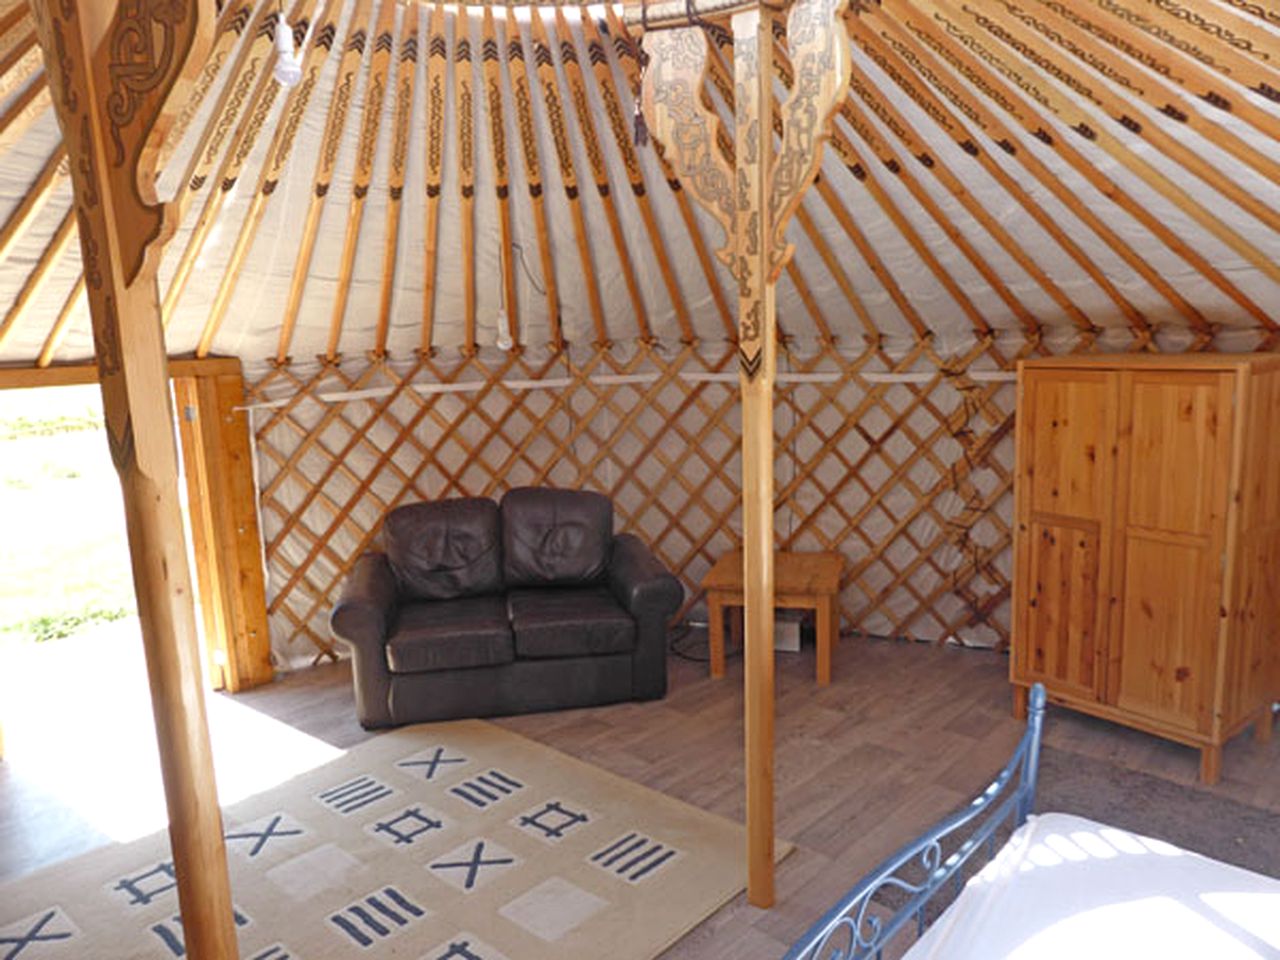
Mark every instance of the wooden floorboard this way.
pixel 904 734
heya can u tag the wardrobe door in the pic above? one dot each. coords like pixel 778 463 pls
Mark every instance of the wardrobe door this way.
pixel 1175 465
pixel 1066 434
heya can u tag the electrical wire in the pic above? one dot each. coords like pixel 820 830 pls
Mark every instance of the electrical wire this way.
pixel 527 272
pixel 697 651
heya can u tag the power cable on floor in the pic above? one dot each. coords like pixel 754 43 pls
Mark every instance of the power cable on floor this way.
pixel 698 649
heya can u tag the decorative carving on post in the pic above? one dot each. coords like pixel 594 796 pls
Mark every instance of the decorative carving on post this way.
pixel 115 105
pixel 819 49
pixel 752 197
pixel 684 125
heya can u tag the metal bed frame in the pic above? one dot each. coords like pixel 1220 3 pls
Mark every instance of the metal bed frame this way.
pixel 922 868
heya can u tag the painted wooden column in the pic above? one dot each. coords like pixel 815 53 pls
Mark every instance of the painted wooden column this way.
pixel 757 355
pixel 118 72
pixel 752 195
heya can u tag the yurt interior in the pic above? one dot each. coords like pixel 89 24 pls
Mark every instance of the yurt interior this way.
pixel 695 479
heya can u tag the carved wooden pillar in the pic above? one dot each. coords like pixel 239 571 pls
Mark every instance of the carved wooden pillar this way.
pixel 752 197
pixel 118 71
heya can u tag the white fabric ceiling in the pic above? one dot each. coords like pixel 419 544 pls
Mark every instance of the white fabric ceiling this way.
pixel 250 329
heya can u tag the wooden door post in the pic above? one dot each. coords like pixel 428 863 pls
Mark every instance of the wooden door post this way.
pixel 118 72
pixel 752 196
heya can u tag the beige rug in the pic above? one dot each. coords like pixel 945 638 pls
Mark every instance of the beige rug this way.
pixel 455 841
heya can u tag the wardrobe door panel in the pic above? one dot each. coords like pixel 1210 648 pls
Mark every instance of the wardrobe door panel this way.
pixel 1062 622
pixel 1167 660
pixel 1071 416
pixel 1175 460
pixel 1179 442
pixel 1066 442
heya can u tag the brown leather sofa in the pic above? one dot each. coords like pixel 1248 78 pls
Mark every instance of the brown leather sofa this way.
pixel 478 608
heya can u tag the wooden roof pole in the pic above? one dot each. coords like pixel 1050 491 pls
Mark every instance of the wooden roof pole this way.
pixel 577 91
pixel 344 86
pixel 914 145
pixel 260 102
pixel 926 63
pixel 39 274
pixel 16 15
pixel 491 65
pixel 295 107
pixel 464 112
pixel 545 68
pixel 49 177
pixel 59 329
pixel 231 23
pixel 253 60
pixel 889 159
pixel 93 60
pixel 1181 75
pixel 622 138
pixel 1248 59
pixel 25 108
pixel 1217 22
pixel 753 202
pixel 406 82
pixel 967 56
pixel 18 52
pixel 433 171
pixel 910 84
pixel 625 49
pixel 997 25
pixel 513 52
pixel 375 92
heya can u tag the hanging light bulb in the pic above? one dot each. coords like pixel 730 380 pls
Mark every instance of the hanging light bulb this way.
pixel 288 68
pixel 503 339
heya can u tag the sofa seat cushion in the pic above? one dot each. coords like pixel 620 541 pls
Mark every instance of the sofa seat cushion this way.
pixel 450 635
pixel 569 622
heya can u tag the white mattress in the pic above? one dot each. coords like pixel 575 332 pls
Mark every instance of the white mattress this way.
pixel 1066 888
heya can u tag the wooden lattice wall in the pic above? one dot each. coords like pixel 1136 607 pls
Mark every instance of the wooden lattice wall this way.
pixel 902 463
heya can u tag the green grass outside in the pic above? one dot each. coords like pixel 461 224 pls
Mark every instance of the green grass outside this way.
pixel 64 560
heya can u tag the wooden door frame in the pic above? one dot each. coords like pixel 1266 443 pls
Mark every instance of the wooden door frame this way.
pixel 222 508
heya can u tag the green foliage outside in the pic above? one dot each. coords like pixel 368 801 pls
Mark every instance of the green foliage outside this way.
pixel 64 560
pixel 15 428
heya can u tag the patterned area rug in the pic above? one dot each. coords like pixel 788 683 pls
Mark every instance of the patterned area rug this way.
pixel 455 841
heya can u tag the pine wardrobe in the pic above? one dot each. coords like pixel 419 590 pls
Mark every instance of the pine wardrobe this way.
pixel 1147 542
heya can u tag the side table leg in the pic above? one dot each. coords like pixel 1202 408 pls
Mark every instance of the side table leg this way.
pixel 828 619
pixel 715 634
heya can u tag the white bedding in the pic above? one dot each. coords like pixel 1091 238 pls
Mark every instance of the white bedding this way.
pixel 1066 888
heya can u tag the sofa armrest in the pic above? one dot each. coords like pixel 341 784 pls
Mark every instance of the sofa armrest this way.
pixel 640 582
pixel 651 595
pixel 365 612
pixel 367 606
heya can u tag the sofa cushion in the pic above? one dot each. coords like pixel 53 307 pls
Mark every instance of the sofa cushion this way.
pixel 445 549
pixel 450 635
pixel 569 622
pixel 552 537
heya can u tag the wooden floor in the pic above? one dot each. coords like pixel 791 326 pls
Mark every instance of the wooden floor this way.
pixel 905 733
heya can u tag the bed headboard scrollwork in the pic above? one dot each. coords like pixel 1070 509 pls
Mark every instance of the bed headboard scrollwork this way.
pixel 902 888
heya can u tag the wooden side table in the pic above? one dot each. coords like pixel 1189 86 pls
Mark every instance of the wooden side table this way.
pixel 803 581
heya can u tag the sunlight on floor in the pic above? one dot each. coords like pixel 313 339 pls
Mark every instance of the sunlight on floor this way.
pixel 77 723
